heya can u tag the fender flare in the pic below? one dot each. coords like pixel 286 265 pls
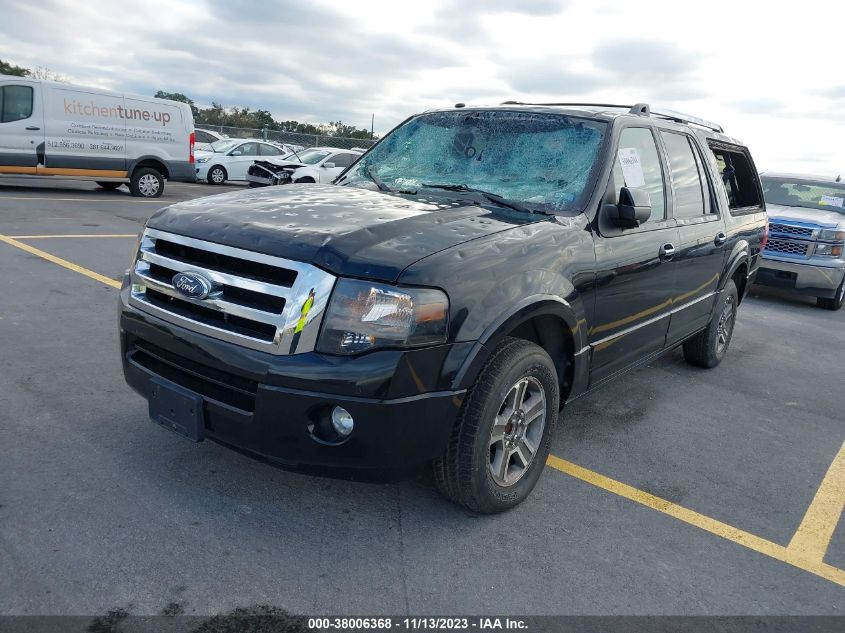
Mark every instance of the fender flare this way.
pixel 135 163
pixel 738 257
pixel 528 308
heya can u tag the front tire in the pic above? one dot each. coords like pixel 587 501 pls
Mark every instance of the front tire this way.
pixel 146 183
pixel 834 303
pixel 502 437
pixel 217 175
pixel 708 348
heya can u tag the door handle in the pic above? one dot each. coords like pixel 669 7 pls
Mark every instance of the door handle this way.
pixel 720 239
pixel 667 252
pixel 32 128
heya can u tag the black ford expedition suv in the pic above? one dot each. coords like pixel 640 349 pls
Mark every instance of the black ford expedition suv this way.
pixel 471 273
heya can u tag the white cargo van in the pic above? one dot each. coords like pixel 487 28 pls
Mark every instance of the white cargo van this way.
pixel 50 129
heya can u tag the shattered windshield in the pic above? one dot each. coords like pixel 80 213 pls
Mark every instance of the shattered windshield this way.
pixel 822 196
pixel 542 160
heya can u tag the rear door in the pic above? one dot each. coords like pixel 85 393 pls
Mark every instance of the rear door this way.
pixel 701 251
pixel 21 126
pixel 635 271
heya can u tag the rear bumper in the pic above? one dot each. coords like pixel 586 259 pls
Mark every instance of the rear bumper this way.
pixel 182 171
pixel 267 405
pixel 807 279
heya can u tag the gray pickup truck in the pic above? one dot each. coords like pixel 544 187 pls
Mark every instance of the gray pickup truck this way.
pixel 806 237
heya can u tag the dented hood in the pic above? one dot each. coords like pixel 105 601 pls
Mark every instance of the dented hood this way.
pixel 345 230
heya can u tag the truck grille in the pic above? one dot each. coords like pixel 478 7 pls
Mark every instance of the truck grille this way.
pixel 790 230
pixel 787 247
pixel 256 300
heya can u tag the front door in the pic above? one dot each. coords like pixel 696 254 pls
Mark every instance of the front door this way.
pixel 240 159
pixel 635 277
pixel 21 127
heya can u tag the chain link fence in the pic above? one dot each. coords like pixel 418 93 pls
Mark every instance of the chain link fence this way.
pixel 294 138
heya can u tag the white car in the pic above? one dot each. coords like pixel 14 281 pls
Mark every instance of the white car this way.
pixel 316 164
pixel 204 139
pixel 230 158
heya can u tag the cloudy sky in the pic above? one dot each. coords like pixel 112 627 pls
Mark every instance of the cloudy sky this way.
pixel 771 73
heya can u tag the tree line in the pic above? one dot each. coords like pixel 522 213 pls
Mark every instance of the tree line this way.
pixel 216 114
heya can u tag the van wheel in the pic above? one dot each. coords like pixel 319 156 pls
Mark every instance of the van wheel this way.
pixel 217 175
pixel 708 348
pixel 502 437
pixel 109 186
pixel 834 303
pixel 146 183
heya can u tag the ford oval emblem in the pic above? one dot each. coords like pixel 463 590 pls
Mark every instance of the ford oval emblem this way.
pixel 192 285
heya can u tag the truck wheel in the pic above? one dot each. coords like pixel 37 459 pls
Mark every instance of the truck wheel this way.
pixel 834 303
pixel 146 183
pixel 109 186
pixel 217 175
pixel 502 437
pixel 708 348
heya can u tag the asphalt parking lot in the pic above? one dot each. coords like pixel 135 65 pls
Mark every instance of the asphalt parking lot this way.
pixel 674 491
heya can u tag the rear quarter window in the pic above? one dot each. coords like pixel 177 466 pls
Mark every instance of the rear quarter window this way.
pixel 738 178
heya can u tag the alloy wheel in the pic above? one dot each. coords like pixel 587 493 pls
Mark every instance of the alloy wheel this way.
pixel 517 431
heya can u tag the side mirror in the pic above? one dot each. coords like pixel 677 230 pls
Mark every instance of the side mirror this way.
pixel 634 208
pixel 237 152
pixel 328 165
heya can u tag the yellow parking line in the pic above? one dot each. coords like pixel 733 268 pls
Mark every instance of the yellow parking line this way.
pixel 61 262
pixel 50 237
pixel 723 530
pixel 812 538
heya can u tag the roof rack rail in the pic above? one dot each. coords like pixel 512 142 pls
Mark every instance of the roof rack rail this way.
pixel 680 117
pixel 641 109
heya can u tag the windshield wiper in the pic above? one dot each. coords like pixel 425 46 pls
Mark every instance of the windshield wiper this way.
pixel 365 169
pixel 492 197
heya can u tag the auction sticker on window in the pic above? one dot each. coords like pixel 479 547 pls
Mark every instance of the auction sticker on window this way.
pixel 632 168
pixel 832 201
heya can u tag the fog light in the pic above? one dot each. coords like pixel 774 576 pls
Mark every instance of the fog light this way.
pixel 342 421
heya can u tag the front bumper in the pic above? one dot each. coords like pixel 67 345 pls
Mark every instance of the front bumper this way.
pixel 803 278
pixel 266 405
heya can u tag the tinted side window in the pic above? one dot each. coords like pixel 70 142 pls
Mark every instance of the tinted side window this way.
pixel 203 137
pixel 248 149
pixel 15 103
pixel 270 150
pixel 642 170
pixel 342 160
pixel 686 178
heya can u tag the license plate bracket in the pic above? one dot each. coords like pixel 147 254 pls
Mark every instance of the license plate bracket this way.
pixel 177 409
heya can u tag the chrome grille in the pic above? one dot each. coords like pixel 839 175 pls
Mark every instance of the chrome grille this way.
pixel 789 229
pixel 256 300
pixel 787 247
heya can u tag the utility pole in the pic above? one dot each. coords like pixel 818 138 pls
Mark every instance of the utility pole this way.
pixel 372 126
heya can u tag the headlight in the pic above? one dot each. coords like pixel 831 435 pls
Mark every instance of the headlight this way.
pixel 204 159
pixel 830 250
pixel 832 235
pixel 362 316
